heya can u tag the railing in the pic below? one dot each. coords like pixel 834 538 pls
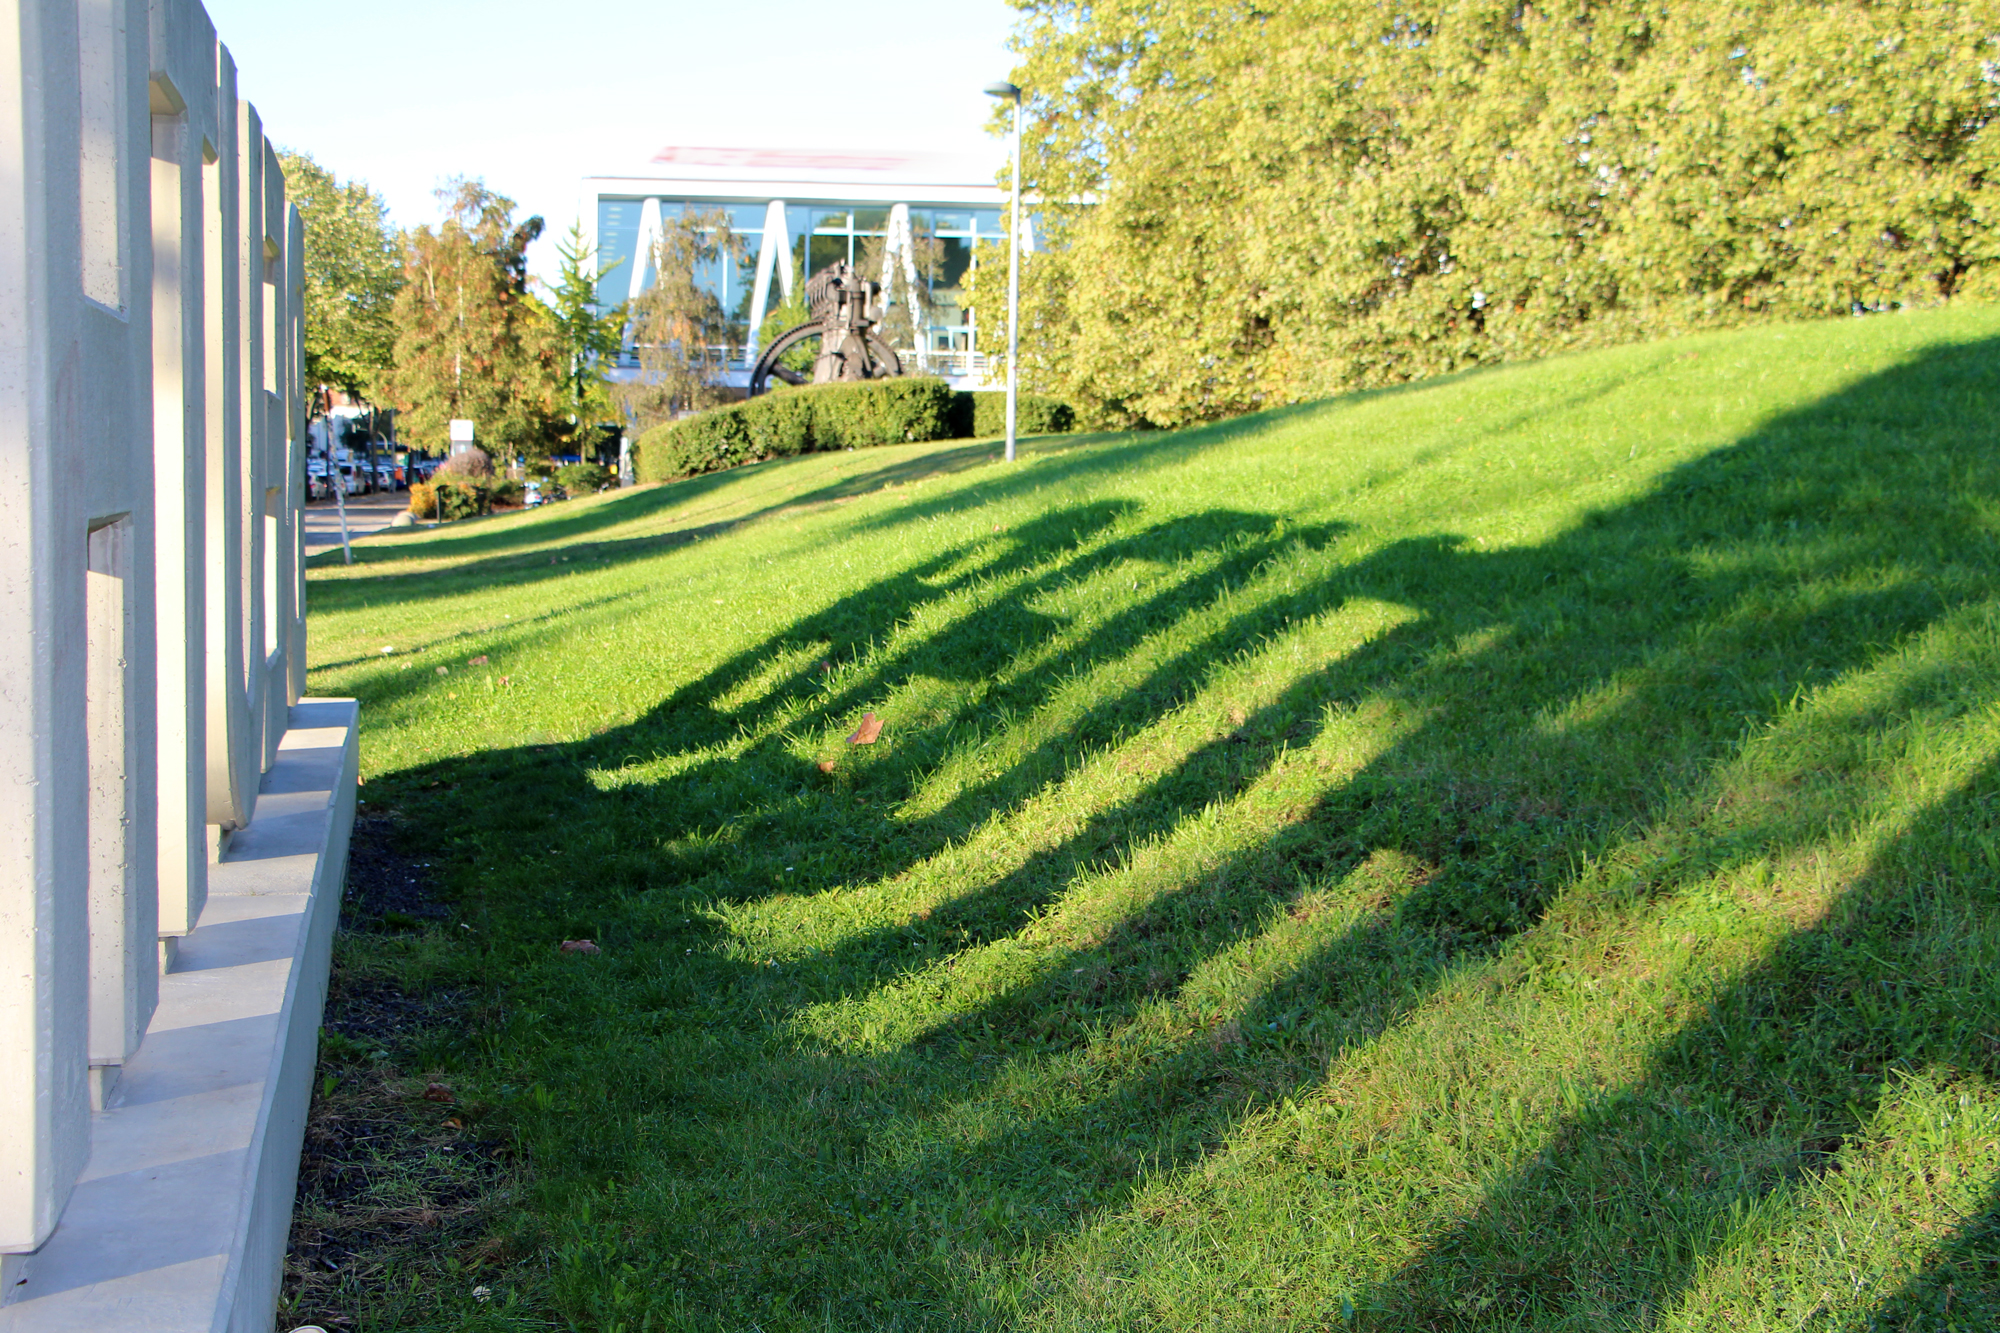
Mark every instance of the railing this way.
pixel 741 361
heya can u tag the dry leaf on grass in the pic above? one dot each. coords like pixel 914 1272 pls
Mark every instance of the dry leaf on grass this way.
pixel 865 734
pixel 579 946
pixel 480 660
pixel 438 1092
pixel 826 765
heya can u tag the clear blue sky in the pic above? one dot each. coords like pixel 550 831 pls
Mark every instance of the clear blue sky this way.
pixel 532 97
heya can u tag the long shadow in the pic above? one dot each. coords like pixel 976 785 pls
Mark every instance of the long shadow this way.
pixel 1614 1218
pixel 1691 617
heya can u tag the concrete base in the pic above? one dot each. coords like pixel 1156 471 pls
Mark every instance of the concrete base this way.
pixel 179 1223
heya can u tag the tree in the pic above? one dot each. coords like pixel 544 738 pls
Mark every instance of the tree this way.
pixel 678 324
pixel 353 271
pixel 1259 201
pixel 909 315
pixel 471 341
pixel 584 336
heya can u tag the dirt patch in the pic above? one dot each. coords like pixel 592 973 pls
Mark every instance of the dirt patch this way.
pixel 395 1178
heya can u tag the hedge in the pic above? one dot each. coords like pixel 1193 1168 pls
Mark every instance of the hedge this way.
pixel 983 413
pixel 811 419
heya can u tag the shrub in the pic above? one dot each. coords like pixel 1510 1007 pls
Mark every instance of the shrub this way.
pixel 423 499
pixel 507 493
pixel 982 413
pixel 797 421
pixel 582 478
pixel 460 497
pixel 473 464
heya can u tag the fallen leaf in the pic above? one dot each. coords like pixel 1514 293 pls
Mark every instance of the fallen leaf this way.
pixel 454 1123
pixel 438 1092
pixel 825 665
pixel 865 734
pixel 444 671
pixel 476 661
pixel 826 765
pixel 505 680
pixel 580 946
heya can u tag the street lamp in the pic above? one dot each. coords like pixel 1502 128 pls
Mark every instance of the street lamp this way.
pixel 1013 92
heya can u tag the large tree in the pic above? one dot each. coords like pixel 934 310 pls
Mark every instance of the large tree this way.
pixel 353 270
pixel 471 341
pixel 682 333
pixel 1263 200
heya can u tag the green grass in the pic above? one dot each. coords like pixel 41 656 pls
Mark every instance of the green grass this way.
pixel 1514 852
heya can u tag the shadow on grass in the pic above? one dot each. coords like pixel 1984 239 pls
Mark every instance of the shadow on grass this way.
pixel 1560 700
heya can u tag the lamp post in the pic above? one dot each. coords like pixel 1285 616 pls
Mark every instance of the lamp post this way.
pixel 1013 92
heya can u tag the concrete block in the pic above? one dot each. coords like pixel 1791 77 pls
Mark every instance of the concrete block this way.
pixel 180 1221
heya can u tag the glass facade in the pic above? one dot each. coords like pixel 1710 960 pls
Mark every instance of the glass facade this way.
pixel 816 234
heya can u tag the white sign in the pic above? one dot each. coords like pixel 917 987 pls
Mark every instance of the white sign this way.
pixel 461 431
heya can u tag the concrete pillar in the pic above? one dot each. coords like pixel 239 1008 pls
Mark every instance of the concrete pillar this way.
pixel 78 745
pixel 234 742
pixel 180 95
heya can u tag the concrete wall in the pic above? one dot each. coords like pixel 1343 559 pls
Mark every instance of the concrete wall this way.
pixel 152 636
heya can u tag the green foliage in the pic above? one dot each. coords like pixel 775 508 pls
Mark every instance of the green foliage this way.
pixel 782 319
pixel 1297 198
pixel 353 271
pixel 1517 853
pixel 584 336
pixel 461 496
pixel 804 420
pixel 582 478
pixel 470 340
pixel 982 414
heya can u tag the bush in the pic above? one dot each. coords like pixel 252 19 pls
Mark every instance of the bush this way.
pixel 813 419
pixel 423 499
pixel 983 413
pixel 508 493
pixel 582 478
pixel 472 465
pixel 460 497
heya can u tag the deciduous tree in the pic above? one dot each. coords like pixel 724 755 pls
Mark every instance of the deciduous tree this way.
pixel 470 340
pixel 682 333
pixel 353 270
pixel 1255 202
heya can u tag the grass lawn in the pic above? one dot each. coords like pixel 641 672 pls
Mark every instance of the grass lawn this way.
pixel 1515 852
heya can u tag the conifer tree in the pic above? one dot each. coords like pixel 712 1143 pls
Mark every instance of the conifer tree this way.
pixel 586 336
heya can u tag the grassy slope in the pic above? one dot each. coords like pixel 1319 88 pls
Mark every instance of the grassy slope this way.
pixel 1519 850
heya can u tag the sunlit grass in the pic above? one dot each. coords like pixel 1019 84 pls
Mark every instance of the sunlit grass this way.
pixel 1517 851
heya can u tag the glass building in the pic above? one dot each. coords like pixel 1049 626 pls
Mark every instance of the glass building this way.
pixel 798 211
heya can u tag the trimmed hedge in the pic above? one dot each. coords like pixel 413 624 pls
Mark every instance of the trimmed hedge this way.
pixel 984 413
pixel 812 419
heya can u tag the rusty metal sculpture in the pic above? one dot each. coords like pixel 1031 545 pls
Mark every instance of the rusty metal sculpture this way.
pixel 846 308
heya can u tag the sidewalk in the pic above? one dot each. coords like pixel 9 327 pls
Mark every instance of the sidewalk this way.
pixel 320 527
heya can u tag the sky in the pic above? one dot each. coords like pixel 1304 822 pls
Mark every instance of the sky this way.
pixel 533 97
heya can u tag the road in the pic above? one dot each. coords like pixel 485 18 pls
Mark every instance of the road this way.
pixel 365 514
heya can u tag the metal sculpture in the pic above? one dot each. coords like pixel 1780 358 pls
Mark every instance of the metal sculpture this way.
pixel 846 310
